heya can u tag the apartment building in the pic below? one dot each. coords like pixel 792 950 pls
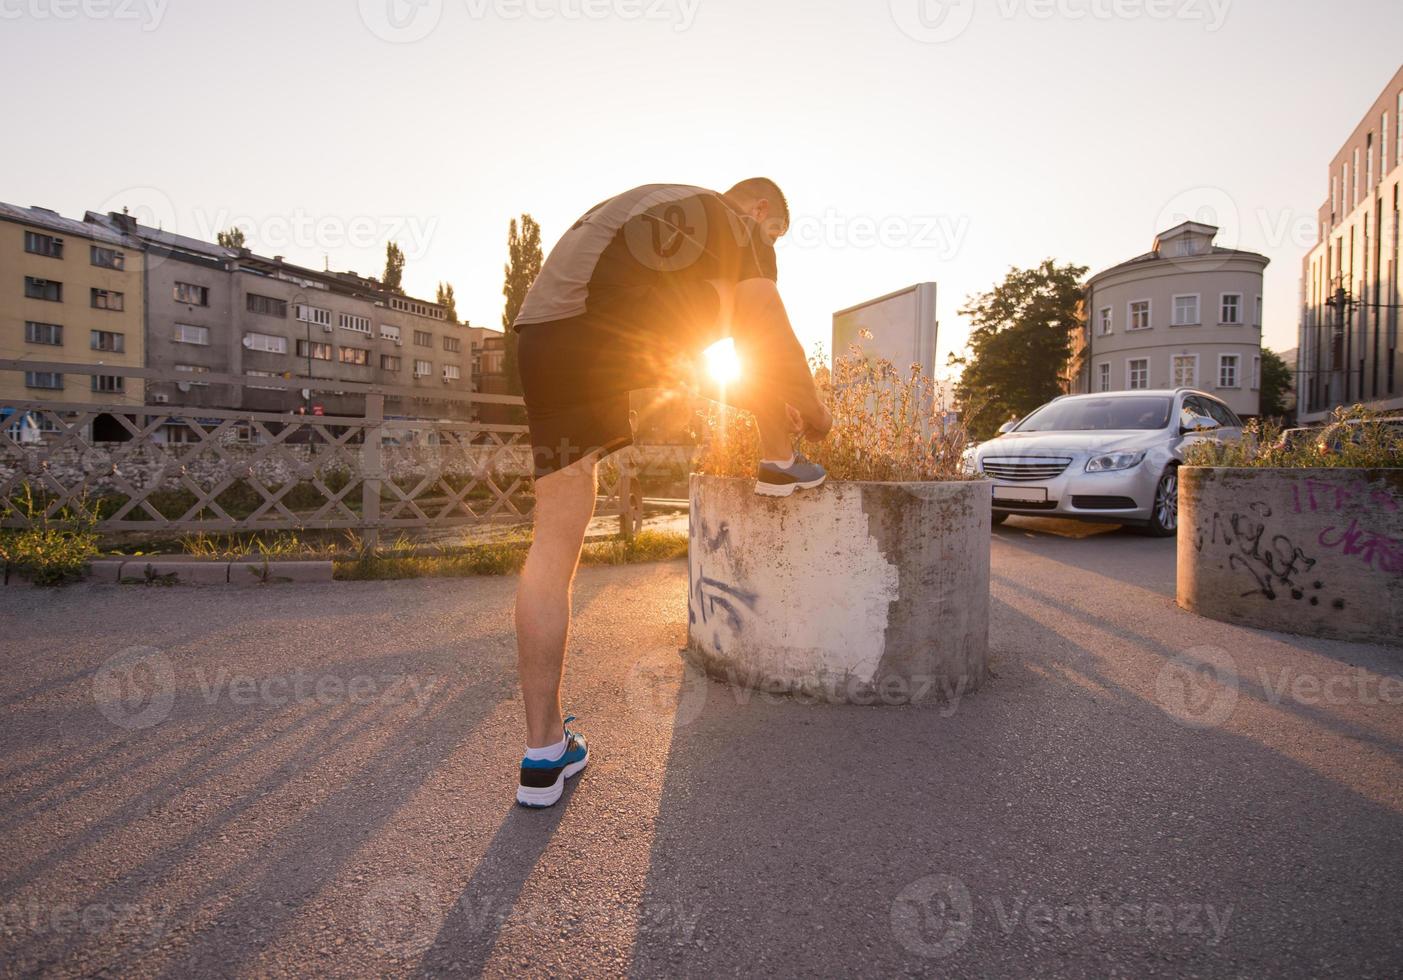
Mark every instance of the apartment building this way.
pixel 216 311
pixel 1348 349
pixel 1188 313
pixel 70 292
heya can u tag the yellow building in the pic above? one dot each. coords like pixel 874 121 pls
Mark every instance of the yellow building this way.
pixel 70 292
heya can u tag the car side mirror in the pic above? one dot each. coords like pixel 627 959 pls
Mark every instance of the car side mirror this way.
pixel 1198 423
pixel 1007 427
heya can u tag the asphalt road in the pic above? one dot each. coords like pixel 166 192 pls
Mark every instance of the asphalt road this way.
pixel 318 779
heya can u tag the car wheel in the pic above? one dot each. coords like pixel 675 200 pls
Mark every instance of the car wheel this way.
pixel 1164 515
pixel 999 518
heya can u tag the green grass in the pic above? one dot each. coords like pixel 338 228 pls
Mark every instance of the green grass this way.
pixel 507 557
pixel 54 549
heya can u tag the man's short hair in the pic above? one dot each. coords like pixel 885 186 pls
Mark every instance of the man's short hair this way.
pixel 755 188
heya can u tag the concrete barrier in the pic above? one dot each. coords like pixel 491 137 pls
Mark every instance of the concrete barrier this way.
pixel 1312 551
pixel 867 593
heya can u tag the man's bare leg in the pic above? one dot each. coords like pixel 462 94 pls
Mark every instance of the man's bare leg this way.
pixel 564 506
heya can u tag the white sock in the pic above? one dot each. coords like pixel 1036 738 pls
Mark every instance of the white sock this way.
pixel 781 463
pixel 548 753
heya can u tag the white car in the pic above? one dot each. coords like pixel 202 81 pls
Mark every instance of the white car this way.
pixel 1111 457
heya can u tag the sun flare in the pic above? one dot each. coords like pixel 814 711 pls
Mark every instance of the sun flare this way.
pixel 722 362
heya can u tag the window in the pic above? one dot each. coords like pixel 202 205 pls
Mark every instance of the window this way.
pixel 1230 310
pixel 187 334
pixel 1222 414
pixel 191 295
pixel 1354 200
pixel 1188 245
pixel 263 374
pixel 109 383
pixel 43 379
pixel 355 355
pixel 388 332
pixel 193 369
pixel 43 333
pixel 106 340
pixel 1137 373
pixel 45 289
pixel 1369 164
pixel 265 342
pixel 107 258
pixel 1227 370
pixel 451 372
pixel 312 314
pixel 452 345
pixel 38 244
pixel 1185 370
pixel 316 351
pixel 1257 321
pixel 1105 372
pixel 1186 311
pixel 1383 145
pixel 1398 133
pixel 106 299
pixel 1256 372
pixel 422 338
pixel 422 369
pixel 1107 320
pixel 390 362
pixel 1140 315
pixel 360 324
pixel 266 305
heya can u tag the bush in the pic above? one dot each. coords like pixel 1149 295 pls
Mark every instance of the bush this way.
pixel 887 426
pixel 1354 437
pixel 55 548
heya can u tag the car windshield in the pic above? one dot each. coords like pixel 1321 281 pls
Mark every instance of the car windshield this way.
pixel 1091 414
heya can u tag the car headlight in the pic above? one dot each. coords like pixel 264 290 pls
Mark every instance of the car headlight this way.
pixel 1113 461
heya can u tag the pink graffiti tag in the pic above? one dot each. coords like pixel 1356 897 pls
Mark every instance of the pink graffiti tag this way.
pixel 1368 545
pixel 1322 495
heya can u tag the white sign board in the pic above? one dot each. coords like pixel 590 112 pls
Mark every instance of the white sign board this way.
pixel 900 327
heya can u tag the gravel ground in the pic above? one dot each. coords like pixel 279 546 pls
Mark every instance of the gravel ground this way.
pixel 318 779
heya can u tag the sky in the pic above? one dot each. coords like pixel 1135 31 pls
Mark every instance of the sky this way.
pixel 917 140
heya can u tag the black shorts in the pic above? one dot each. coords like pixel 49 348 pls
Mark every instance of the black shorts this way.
pixel 576 374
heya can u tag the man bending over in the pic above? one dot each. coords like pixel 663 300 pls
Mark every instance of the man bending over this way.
pixel 629 298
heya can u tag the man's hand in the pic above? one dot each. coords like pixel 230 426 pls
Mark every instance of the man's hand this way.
pixel 817 428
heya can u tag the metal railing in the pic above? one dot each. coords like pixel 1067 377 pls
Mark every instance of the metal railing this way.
pixel 190 469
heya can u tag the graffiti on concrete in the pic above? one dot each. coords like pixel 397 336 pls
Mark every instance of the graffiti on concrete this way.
pixel 1318 495
pixel 1368 546
pixel 1273 561
pixel 709 595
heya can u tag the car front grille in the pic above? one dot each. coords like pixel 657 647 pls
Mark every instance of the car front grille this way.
pixel 1027 469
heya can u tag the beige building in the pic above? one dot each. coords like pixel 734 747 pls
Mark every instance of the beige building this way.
pixel 1348 349
pixel 1187 314
pixel 70 292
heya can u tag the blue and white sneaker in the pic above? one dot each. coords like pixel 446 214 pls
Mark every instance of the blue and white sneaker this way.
pixel 781 481
pixel 543 780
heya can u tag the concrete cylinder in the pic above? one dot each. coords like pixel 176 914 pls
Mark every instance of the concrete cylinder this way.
pixel 865 593
pixel 1317 552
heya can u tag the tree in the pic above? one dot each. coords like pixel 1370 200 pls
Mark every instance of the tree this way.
pixel 233 238
pixel 523 266
pixel 1019 344
pixel 393 279
pixel 447 300
pixel 1276 384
